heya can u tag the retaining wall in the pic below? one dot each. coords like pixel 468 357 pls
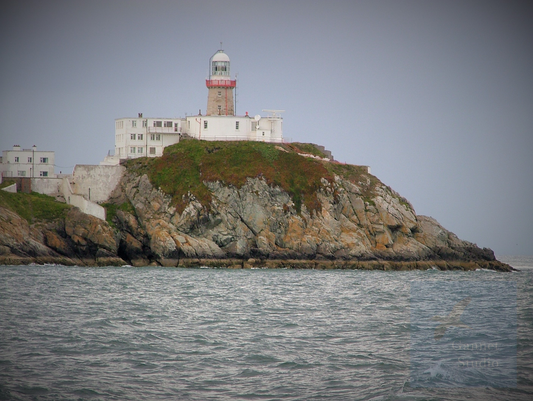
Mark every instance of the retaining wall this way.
pixel 96 182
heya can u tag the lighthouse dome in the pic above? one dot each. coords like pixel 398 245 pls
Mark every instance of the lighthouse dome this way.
pixel 220 56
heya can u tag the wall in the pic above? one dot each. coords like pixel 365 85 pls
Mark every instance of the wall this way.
pixel 80 202
pixel 12 188
pixel 47 186
pixel 96 182
pixel 220 128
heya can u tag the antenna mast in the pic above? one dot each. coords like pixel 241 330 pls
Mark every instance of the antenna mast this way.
pixel 235 100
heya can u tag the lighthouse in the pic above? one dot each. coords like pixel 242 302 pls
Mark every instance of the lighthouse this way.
pixel 220 86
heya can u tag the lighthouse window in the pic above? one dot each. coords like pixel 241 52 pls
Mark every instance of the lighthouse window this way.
pixel 219 93
pixel 205 124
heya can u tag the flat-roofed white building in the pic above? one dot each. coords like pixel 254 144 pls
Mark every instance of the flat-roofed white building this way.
pixel 145 137
pixel 236 128
pixel 29 163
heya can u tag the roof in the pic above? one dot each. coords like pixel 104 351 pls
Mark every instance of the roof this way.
pixel 220 56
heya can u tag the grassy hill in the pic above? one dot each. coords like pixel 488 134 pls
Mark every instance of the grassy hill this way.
pixel 183 168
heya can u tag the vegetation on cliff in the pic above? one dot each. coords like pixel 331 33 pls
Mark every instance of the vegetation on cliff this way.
pixel 33 207
pixel 184 167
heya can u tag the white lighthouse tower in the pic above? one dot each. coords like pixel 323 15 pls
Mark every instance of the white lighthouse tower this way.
pixel 220 86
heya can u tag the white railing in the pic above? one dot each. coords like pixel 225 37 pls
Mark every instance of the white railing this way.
pixel 163 130
pixel 207 137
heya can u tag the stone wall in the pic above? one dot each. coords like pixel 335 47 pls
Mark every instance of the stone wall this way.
pixel 80 202
pixel 96 182
pixel 47 186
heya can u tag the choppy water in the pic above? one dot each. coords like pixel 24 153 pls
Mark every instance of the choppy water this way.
pixel 215 334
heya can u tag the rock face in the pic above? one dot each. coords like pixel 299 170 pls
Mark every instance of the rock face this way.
pixel 80 239
pixel 255 224
pixel 259 222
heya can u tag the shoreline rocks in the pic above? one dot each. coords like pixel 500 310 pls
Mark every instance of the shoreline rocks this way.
pixel 355 223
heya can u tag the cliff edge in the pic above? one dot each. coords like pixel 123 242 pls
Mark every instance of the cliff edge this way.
pixel 245 204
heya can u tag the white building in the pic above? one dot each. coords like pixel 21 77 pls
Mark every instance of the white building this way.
pixel 27 163
pixel 147 137
pixel 141 137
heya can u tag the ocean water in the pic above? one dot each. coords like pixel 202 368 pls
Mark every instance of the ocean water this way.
pixel 215 334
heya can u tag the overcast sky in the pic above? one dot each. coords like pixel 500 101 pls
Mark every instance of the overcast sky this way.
pixel 436 96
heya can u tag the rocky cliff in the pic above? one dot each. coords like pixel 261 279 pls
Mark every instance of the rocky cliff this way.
pixel 244 205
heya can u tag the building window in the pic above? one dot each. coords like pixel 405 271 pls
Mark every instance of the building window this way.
pixel 132 136
pixel 237 124
pixel 140 150
pixel 152 150
pixel 144 123
pixel 158 137
pixel 44 174
pixel 16 159
pixel 21 173
pixel 158 123
pixel 119 124
pixel 168 124
pixel 205 124
pixel 152 137
pixel 29 159
pixel 140 137
pixel 219 93
pixel 134 124
pixel 132 149
pixel 44 159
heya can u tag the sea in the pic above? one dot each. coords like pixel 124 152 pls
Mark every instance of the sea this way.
pixel 154 333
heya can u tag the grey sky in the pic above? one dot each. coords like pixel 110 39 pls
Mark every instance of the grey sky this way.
pixel 436 96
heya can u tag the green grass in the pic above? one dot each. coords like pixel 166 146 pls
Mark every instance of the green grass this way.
pixel 112 208
pixel 34 207
pixel 184 167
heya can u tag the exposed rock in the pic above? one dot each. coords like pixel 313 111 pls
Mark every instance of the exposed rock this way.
pixel 357 223
pixel 79 240
pixel 259 221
